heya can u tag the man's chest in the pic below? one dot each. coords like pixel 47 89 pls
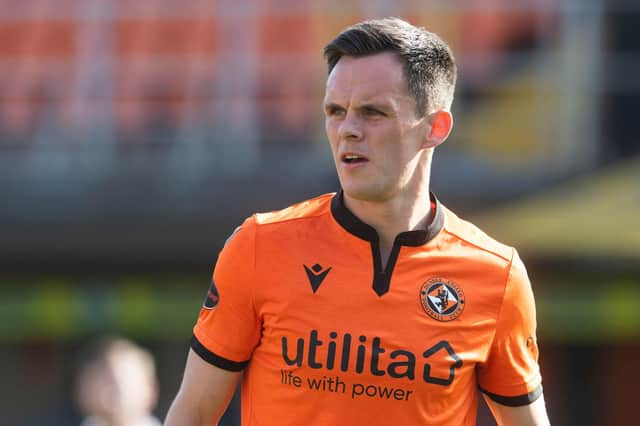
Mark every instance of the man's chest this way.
pixel 322 317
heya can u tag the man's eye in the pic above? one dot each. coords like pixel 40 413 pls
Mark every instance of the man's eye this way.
pixel 372 112
pixel 335 111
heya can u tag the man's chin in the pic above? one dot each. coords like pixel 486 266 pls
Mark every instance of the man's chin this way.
pixel 363 194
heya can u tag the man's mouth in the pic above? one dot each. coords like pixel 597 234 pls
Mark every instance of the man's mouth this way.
pixel 353 158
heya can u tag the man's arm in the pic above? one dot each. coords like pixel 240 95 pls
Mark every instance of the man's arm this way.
pixel 204 394
pixel 534 414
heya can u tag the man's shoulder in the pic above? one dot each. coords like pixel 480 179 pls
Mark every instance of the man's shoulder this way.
pixel 474 236
pixel 306 209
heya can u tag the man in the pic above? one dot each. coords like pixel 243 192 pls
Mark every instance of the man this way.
pixel 117 385
pixel 375 305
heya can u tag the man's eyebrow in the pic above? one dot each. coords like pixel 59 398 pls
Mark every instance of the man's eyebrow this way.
pixel 331 105
pixel 384 106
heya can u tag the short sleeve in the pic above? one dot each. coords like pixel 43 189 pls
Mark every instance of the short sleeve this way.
pixel 511 375
pixel 228 328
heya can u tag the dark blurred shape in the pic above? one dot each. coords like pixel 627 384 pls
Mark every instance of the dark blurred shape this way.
pixel 621 128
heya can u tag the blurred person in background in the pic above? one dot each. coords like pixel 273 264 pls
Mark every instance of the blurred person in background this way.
pixel 116 384
pixel 374 305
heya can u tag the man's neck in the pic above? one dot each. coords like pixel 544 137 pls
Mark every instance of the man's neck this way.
pixel 391 217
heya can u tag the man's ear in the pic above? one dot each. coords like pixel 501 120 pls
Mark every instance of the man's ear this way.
pixel 440 125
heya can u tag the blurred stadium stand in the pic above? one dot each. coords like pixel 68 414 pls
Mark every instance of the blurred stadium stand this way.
pixel 136 134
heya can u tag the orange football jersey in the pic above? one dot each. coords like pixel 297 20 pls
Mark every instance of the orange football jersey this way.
pixel 326 336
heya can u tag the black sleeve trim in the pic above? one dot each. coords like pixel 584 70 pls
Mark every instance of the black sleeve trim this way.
pixel 217 360
pixel 515 401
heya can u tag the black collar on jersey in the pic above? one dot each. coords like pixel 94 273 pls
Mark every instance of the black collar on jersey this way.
pixel 355 226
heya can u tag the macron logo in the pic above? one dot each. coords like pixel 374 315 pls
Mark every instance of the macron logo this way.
pixel 316 275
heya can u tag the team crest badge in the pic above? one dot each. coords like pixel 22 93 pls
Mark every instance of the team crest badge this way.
pixel 211 301
pixel 441 299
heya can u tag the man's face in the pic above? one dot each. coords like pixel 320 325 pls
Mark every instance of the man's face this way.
pixel 118 388
pixel 375 136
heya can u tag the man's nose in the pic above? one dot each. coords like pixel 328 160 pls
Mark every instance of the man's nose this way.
pixel 351 127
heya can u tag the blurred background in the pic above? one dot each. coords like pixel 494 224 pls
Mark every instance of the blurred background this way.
pixel 136 134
